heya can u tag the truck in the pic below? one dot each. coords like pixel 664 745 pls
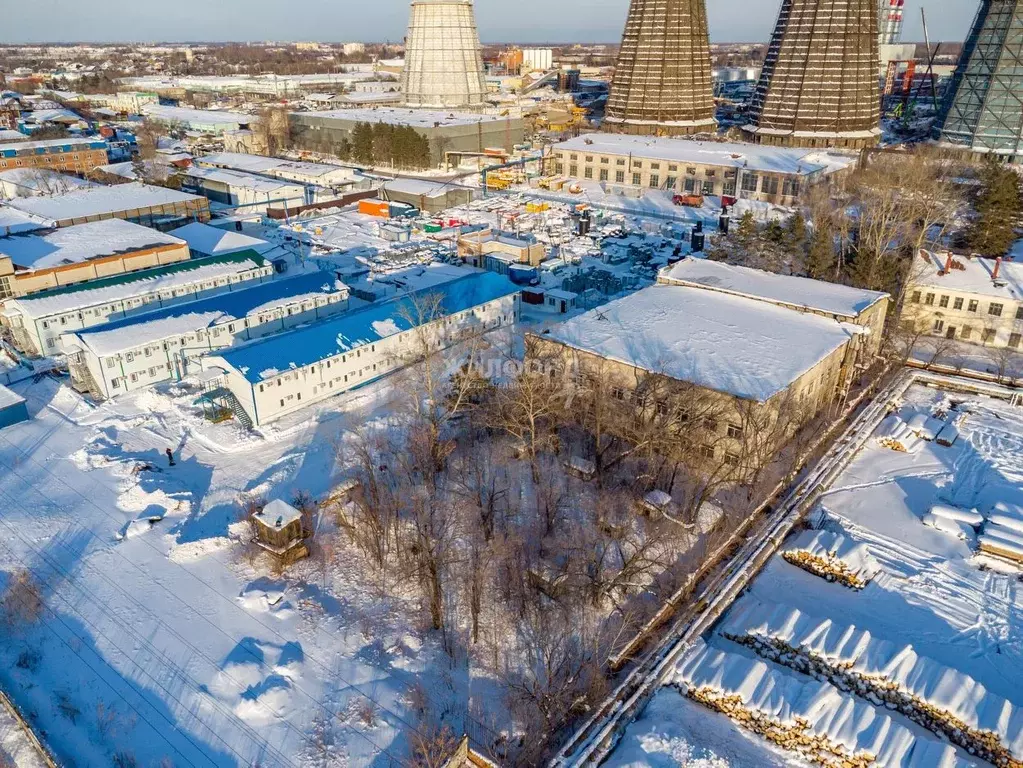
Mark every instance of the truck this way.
pixel 689 201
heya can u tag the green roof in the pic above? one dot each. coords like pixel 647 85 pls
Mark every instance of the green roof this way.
pixel 148 274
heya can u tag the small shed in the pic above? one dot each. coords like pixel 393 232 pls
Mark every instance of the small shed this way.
pixel 278 528
pixel 13 409
pixel 560 302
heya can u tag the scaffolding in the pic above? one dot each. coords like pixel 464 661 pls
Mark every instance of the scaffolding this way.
pixel 819 85
pixel 983 111
pixel 662 83
pixel 443 62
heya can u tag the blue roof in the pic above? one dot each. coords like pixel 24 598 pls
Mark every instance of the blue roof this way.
pixel 235 304
pixel 313 343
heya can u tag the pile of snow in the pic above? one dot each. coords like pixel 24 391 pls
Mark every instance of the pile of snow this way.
pixel 926 427
pixel 942 699
pixel 810 717
pixel 833 557
pixel 896 434
pixel 961 523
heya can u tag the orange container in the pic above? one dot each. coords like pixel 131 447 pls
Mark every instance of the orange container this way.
pixel 379 208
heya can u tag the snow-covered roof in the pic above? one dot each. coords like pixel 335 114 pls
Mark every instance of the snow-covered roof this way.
pixel 751 157
pixel 6 134
pixel 82 242
pixel 270 165
pixel 204 238
pixel 238 180
pixel 188 318
pixel 742 347
pixel 432 189
pixel 976 276
pixel 416 118
pixel 13 221
pixel 278 514
pixel 92 142
pixel 796 292
pixel 195 116
pixel 100 200
pixel 9 398
pixel 134 284
pixel 42 180
pixel 342 334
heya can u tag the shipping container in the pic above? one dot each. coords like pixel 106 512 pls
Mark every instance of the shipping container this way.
pixel 379 208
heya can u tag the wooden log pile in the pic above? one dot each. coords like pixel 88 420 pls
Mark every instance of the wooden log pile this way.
pixel 826 567
pixel 882 692
pixel 795 736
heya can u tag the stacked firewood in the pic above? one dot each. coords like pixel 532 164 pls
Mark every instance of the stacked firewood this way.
pixel 828 568
pixel 882 692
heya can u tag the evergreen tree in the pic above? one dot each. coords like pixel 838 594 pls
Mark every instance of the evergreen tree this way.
pixel 821 261
pixel 344 150
pixel 362 143
pixel 795 234
pixel 998 207
pixel 383 143
pixel 746 232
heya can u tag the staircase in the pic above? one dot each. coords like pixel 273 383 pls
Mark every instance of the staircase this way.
pixel 227 396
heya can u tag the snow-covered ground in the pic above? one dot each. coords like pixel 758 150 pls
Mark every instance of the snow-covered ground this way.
pixel 928 649
pixel 163 640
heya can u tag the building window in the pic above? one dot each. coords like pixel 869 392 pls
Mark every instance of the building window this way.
pixel 734 431
pixel 110 362
pixel 1019 313
pixel 588 173
pixel 929 300
pixel 1014 340
pixel 989 335
pixel 620 161
pixel 707 451
pixel 604 161
pixel 770 186
pixel 671 183
pixel 618 393
pixel 710 425
pixel 750 182
pixel 939 326
pixel 943 302
pixel 708 187
pixel 637 164
pixel 790 187
pixel 655 180
pixel 637 179
pixel 655 166
pixel 573 170
pixel 731 459
pixel 995 310
pixel 966 333
pixel 958 303
pixel 603 174
pixel 915 298
pixel 620 177
pixel 973 306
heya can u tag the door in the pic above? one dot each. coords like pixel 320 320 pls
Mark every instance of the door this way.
pixel 951 334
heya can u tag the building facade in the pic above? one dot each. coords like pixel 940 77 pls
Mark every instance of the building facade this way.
pixel 38 320
pixel 819 86
pixel 776 175
pixel 662 82
pixel 280 376
pixel 983 111
pixel 166 345
pixel 975 300
pixel 70 155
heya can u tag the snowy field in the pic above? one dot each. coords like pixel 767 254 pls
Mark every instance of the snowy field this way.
pixel 162 641
pixel 881 632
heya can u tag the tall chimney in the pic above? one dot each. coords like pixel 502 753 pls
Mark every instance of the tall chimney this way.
pixel 948 264
pixel 998 268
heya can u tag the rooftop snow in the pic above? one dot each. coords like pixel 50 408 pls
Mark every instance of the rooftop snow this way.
pixel 749 157
pixel 97 201
pixel 278 514
pixel 187 318
pixel 82 242
pixel 976 277
pixel 746 348
pixel 9 398
pixel 270 165
pixel 13 222
pixel 49 143
pixel 237 179
pixel 207 239
pixel 797 292
pixel 313 343
pixel 134 284
pixel 195 116
pixel 416 118
pixel 420 187
pixel 42 180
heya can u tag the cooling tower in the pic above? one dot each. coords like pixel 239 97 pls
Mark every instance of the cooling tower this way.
pixel 984 109
pixel 443 65
pixel 662 81
pixel 819 86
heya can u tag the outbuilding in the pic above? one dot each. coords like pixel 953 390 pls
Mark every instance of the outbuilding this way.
pixel 13 409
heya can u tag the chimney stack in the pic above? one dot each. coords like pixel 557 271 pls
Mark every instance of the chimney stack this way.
pixel 998 268
pixel 948 264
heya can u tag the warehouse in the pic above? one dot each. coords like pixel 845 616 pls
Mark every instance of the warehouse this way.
pixel 867 309
pixel 161 346
pixel 30 182
pixel 278 376
pixel 427 196
pixel 753 361
pixel 316 174
pixel 197 120
pixel 243 190
pixel 445 131
pixel 37 321
pixel 777 175
pixel 37 261
pixel 156 207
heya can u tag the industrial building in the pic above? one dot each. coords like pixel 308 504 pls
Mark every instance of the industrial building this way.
pixel 967 298
pixel 243 190
pixel 333 177
pixel 138 352
pixel 197 120
pixel 819 86
pixel 29 182
pixel 38 261
pixel 983 111
pixel 443 63
pixel 427 196
pixel 155 207
pixel 278 376
pixel 446 131
pixel 752 362
pixel 36 321
pixel 207 240
pixel 662 82
pixel 70 155
pixel 776 175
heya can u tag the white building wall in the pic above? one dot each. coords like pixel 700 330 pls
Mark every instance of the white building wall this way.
pixel 538 58
pixel 978 318
pixel 297 388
